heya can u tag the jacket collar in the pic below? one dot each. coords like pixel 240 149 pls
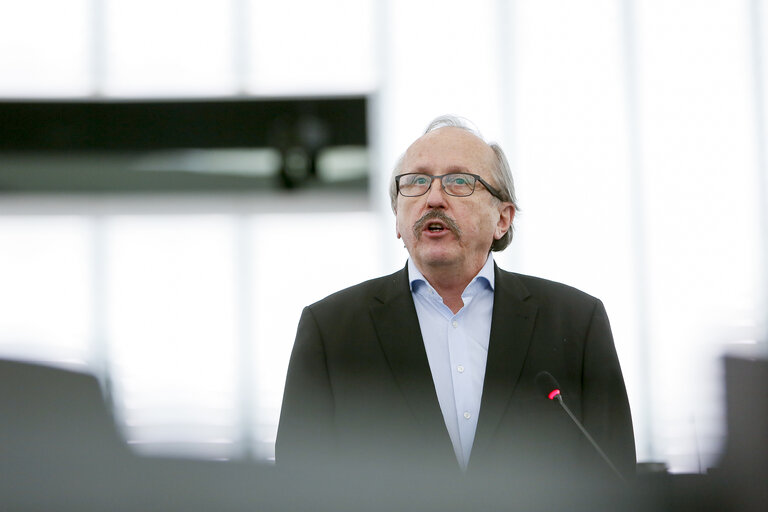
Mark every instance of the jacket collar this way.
pixel 514 314
pixel 397 326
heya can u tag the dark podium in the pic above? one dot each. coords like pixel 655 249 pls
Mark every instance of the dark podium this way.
pixel 60 450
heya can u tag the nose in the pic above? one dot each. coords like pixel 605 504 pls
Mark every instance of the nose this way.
pixel 436 195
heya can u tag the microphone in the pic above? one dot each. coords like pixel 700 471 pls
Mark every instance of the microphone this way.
pixel 551 389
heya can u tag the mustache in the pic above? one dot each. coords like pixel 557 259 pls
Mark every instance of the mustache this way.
pixel 418 227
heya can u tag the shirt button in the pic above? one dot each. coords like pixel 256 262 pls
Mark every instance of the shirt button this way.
pixel 467 415
pixel 460 368
pixel 455 323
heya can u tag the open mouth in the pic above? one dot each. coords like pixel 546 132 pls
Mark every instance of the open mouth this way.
pixel 436 222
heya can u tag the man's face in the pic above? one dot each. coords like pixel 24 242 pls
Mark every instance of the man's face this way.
pixel 462 229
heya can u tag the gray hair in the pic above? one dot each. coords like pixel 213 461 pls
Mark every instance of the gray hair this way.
pixel 502 175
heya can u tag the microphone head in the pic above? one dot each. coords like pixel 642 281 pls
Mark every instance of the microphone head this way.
pixel 548 385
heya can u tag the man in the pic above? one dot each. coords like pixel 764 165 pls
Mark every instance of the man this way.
pixel 434 367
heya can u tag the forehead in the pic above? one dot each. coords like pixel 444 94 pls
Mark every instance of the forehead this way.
pixel 448 149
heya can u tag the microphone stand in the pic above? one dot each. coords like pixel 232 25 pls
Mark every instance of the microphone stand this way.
pixel 589 437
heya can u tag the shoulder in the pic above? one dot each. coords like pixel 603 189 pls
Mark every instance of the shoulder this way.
pixel 362 294
pixel 542 291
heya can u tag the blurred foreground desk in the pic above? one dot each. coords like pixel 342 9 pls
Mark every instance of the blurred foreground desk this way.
pixel 61 451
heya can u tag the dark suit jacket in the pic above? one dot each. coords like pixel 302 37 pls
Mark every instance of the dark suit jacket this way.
pixel 359 391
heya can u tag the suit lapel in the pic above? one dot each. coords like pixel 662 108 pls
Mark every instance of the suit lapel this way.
pixel 511 331
pixel 397 325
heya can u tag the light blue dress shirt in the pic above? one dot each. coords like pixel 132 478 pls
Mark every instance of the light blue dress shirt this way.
pixel 457 350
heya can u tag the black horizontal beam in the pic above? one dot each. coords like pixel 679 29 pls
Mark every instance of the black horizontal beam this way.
pixel 167 124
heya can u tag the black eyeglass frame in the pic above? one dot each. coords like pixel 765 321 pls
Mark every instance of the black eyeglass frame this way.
pixel 495 193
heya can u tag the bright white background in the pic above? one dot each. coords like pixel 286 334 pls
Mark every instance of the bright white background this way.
pixel 637 136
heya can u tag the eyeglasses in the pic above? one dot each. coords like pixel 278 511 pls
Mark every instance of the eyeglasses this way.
pixel 459 184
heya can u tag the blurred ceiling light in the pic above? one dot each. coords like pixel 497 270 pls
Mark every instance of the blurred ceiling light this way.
pixel 343 163
pixel 256 162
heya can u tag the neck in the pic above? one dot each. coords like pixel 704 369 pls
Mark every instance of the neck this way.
pixel 450 288
pixel 450 283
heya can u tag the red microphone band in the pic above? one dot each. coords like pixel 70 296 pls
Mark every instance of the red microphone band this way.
pixel 552 394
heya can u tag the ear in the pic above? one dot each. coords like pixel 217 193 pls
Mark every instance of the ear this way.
pixel 506 216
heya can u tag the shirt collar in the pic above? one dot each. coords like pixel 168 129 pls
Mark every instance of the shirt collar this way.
pixel 417 279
